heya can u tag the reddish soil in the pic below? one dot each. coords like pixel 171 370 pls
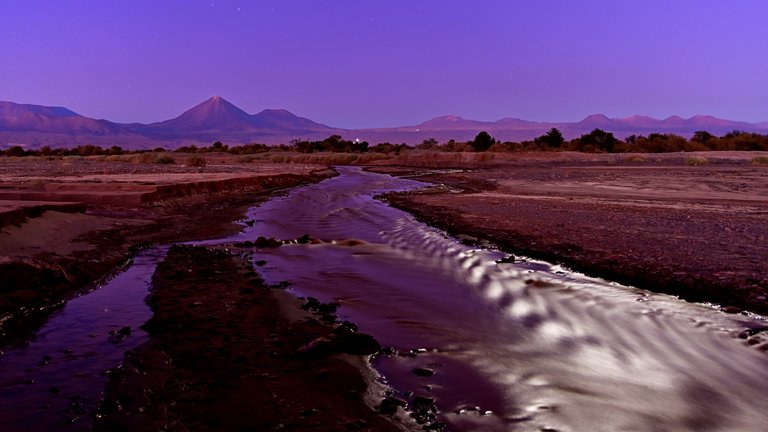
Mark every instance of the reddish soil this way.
pixel 224 356
pixel 694 231
pixel 50 251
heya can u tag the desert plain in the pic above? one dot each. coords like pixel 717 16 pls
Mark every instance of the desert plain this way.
pixel 691 225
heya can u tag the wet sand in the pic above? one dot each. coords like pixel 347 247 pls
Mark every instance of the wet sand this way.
pixel 654 222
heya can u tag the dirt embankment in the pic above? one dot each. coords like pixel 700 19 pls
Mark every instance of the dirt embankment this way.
pixel 51 254
pixel 223 356
pixel 694 231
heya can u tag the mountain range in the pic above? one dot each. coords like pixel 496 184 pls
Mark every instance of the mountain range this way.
pixel 216 119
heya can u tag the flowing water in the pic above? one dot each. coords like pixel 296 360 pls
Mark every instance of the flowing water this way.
pixel 526 346
pixel 54 381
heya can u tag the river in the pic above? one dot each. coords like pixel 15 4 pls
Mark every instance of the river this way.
pixel 525 346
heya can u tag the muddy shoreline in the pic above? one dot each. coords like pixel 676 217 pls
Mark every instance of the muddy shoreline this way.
pixel 623 223
pixel 38 281
pixel 226 352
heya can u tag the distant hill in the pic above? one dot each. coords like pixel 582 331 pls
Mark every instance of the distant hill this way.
pixel 216 119
pixel 214 114
pixel 23 118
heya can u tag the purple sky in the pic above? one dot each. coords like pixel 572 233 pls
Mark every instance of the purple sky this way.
pixel 368 64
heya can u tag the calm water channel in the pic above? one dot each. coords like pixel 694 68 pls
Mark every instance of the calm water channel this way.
pixel 525 346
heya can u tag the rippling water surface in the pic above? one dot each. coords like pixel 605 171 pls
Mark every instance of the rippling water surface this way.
pixel 54 381
pixel 524 346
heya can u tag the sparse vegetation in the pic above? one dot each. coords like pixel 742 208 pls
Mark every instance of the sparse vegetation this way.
pixel 695 161
pixel 164 159
pixel 195 161
pixel 597 141
pixel 760 160
pixel 636 158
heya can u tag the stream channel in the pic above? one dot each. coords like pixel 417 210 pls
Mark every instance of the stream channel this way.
pixel 523 346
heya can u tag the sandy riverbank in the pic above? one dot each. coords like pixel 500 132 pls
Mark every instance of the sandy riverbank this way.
pixel 656 222
pixel 53 249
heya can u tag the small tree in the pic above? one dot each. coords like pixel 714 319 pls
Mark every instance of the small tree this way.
pixel 553 138
pixel 702 136
pixel 482 142
pixel 600 139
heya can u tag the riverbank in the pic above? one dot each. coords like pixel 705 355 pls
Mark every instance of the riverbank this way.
pixel 664 224
pixel 226 353
pixel 58 248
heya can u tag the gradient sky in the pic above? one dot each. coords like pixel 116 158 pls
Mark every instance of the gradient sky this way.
pixel 388 63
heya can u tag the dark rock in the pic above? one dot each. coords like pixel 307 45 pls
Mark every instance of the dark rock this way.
pixel 261 263
pixel 311 304
pixel 358 344
pixel 423 372
pixel 281 285
pixel 731 310
pixel 328 318
pixel 305 239
pixel 54 389
pixel 328 308
pixel 125 331
pixel 506 260
pixel 389 351
pixel 353 343
pixel 263 242
pixel 389 405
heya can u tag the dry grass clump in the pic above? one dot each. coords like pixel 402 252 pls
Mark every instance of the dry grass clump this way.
pixel 152 158
pixel 696 161
pixel 38 184
pixel 144 158
pixel 195 161
pixel 164 160
pixel 246 159
pixel 759 160
pixel 636 158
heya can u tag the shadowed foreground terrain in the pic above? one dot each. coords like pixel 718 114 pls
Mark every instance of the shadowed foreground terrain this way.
pixel 228 353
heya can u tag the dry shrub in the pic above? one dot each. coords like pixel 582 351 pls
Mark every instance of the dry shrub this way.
pixel 696 161
pixel 164 160
pixel 38 184
pixel 759 160
pixel 636 158
pixel 195 161
pixel 146 157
